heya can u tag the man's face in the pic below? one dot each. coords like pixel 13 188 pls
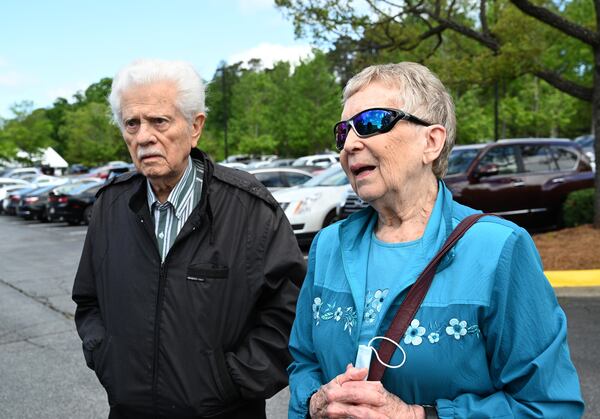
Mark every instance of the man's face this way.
pixel 158 136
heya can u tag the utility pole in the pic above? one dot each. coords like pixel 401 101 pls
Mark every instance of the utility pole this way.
pixel 225 105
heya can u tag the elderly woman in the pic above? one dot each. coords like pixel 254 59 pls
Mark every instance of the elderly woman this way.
pixel 489 339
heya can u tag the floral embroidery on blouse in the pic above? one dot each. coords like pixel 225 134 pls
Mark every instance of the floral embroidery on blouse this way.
pixel 373 303
pixel 413 333
pixel 337 314
pixel 456 329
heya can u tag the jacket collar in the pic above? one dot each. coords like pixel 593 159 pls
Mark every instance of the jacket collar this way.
pixel 138 202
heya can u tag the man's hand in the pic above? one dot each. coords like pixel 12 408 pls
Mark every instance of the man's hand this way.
pixel 349 396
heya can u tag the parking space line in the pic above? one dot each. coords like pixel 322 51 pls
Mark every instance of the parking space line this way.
pixel 77 233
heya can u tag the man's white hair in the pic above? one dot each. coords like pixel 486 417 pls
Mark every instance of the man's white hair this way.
pixel 421 94
pixel 190 88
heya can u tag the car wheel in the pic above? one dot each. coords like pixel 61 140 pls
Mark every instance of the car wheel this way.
pixel 87 214
pixel 44 216
pixel 330 218
pixel 73 222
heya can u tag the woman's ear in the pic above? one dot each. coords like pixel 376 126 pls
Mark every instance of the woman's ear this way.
pixel 436 138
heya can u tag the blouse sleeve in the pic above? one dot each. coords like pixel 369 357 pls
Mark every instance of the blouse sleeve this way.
pixel 526 345
pixel 304 371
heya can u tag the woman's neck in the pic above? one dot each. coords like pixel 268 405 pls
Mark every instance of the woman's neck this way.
pixel 403 216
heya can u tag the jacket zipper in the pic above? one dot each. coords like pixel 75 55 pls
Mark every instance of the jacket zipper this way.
pixel 156 339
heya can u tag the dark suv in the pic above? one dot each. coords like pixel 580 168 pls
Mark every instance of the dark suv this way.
pixel 523 180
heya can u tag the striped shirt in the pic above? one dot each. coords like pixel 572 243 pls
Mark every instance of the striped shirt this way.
pixel 171 215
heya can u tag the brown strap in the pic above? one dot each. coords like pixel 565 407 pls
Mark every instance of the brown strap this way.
pixel 413 300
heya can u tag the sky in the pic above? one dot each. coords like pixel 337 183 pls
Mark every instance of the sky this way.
pixel 51 49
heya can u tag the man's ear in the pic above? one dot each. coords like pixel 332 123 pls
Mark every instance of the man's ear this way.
pixel 197 126
pixel 436 138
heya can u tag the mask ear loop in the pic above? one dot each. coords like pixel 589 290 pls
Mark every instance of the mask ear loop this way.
pixel 392 342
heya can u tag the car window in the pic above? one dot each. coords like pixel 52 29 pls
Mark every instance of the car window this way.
pixel 460 160
pixel 297 178
pixel 270 180
pixel 565 159
pixel 537 158
pixel 502 157
pixel 333 176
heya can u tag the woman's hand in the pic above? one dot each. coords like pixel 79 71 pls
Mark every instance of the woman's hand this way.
pixel 349 396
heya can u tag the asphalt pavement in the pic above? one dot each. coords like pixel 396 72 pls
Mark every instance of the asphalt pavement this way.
pixel 42 371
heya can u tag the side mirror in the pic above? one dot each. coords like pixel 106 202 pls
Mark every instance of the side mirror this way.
pixel 487 170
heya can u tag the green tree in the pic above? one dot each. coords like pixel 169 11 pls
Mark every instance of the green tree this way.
pixel 558 42
pixel 91 138
pixel 28 131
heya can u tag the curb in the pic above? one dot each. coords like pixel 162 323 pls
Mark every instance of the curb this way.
pixel 579 278
pixel 578 284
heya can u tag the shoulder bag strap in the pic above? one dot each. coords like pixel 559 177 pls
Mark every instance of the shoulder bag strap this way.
pixel 413 300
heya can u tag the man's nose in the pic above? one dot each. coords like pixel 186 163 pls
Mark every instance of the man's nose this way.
pixel 146 134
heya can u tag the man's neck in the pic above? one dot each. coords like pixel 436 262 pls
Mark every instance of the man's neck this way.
pixel 163 186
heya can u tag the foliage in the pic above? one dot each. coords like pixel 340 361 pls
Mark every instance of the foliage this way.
pixel 283 110
pixel 90 137
pixel 578 208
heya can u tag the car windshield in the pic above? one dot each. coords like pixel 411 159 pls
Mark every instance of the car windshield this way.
pixel 334 176
pixel 460 159
pixel 585 141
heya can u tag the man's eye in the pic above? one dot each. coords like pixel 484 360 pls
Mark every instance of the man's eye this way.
pixel 160 121
pixel 131 123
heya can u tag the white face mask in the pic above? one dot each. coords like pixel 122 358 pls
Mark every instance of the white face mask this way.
pixel 363 356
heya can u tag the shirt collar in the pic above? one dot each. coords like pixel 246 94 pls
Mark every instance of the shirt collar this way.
pixel 180 192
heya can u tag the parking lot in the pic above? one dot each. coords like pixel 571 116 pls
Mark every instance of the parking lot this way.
pixel 41 365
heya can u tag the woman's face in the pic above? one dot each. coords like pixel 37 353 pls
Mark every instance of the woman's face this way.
pixel 381 167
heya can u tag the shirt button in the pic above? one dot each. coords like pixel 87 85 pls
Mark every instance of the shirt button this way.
pixel 161 235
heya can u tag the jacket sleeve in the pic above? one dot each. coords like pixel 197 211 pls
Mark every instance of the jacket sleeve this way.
pixel 526 345
pixel 258 365
pixel 88 318
pixel 305 372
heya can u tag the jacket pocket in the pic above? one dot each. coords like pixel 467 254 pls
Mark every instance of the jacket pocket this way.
pixel 99 358
pixel 206 272
pixel 227 389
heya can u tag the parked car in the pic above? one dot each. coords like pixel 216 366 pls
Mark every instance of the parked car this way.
pixel 9 181
pixel 110 170
pixel 73 207
pixel 280 163
pixel 21 172
pixel 321 160
pixel 586 142
pixel 283 177
pixel 10 203
pixel 524 180
pixel 7 189
pixel 312 205
pixel 458 162
pixel 33 204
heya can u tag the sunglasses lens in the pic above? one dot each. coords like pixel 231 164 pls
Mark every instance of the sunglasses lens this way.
pixel 341 132
pixel 373 121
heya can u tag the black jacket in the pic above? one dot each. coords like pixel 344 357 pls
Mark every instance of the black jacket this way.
pixel 206 332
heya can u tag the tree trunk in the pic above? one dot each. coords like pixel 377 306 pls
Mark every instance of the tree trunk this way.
pixel 596 122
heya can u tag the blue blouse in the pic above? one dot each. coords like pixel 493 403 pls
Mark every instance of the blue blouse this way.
pixel 489 339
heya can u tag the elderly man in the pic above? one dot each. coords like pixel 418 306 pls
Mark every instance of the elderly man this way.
pixel 185 290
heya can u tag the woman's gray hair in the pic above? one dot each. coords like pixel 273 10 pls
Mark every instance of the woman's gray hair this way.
pixel 421 94
pixel 190 88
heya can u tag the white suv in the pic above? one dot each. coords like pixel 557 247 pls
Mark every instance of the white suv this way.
pixel 321 160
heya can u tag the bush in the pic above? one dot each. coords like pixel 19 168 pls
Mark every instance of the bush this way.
pixel 578 208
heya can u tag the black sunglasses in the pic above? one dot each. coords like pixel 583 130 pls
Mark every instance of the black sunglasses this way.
pixel 372 122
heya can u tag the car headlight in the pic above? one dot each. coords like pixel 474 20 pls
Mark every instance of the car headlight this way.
pixel 306 203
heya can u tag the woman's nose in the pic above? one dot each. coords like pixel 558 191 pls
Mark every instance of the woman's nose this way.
pixel 353 142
